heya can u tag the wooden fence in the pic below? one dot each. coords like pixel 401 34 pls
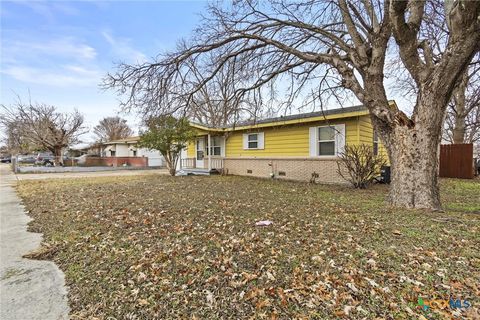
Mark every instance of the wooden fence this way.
pixel 456 161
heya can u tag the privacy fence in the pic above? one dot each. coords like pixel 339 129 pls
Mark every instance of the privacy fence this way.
pixel 456 161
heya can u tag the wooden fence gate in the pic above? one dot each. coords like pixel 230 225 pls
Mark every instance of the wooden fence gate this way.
pixel 456 161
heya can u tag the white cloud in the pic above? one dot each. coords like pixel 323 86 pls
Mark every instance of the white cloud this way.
pixel 122 49
pixel 57 62
pixel 63 77
pixel 66 47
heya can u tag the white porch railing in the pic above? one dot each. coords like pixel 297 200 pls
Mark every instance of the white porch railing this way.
pixel 217 163
pixel 188 163
pixel 191 163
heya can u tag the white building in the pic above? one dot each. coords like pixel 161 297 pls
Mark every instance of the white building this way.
pixel 128 148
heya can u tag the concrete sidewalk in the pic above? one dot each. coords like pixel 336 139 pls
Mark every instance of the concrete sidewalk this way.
pixel 29 289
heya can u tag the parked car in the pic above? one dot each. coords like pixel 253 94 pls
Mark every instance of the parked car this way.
pixel 47 159
pixel 6 159
pixel 26 158
pixel 44 159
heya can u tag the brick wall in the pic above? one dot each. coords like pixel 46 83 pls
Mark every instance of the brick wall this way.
pixel 116 161
pixel 286 168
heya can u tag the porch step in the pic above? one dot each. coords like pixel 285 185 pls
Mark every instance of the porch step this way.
pixel 196 172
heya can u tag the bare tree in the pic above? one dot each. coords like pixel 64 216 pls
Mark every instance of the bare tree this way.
pixel 462 119
pixel 215 103
pixel 462 123
pixel 112 128
pixel 42 125
pixel 14 141
pixel 329 46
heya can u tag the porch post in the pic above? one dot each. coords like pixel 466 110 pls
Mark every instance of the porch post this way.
pixel 180 161
pixel 209 154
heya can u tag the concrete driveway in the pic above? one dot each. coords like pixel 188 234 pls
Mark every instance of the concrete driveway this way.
pixel 29 289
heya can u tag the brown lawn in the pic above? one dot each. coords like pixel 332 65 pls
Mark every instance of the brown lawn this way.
pixel 187 247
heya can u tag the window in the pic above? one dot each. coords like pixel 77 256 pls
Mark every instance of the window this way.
pixel 215 147
pixel 253 141
pixel 112 153
pixel 134 153
pixel 326 141
pixel 375 143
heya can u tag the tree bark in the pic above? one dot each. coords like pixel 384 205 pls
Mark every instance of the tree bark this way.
pixel 413 147
pixel 458 132
pixel 169 159
pixel 58 157
pixel 414 168
pixel 412 144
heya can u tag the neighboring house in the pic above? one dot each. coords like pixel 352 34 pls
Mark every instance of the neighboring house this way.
pixel 289 147
pixel 127 147
pixel 92 149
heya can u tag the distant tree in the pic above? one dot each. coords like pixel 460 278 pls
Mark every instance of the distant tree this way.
pixel 112 128
pixel 216 103
pixel 168 135
pixel 42 125
pixel 14 141
pixel 462 123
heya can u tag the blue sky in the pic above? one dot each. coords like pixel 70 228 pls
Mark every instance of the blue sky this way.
pixel 58 51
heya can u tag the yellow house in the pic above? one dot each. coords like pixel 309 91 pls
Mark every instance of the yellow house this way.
pixel 289 147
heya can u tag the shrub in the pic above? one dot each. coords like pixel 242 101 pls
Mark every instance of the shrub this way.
pixel 361 164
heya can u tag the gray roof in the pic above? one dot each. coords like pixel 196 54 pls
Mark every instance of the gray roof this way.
pixel 303 115
pixel 292 117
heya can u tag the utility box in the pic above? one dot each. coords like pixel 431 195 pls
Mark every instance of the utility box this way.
pixel 385 174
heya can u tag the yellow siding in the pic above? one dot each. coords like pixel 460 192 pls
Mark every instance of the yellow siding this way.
pixel 191 144
pixel 191 149
pixel 366 135
pixel 292 140
pixel 365 130
pixel 285 141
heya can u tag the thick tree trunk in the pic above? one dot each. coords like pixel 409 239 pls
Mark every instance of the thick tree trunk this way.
pixel 58 156
pixel 414 162
pixel 413 149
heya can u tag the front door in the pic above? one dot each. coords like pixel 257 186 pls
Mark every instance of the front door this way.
pixel 200 152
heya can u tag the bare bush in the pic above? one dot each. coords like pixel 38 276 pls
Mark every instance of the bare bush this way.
pixel 361 164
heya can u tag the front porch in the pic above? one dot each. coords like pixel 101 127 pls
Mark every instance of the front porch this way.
pixel 205 154
pixel 208 164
